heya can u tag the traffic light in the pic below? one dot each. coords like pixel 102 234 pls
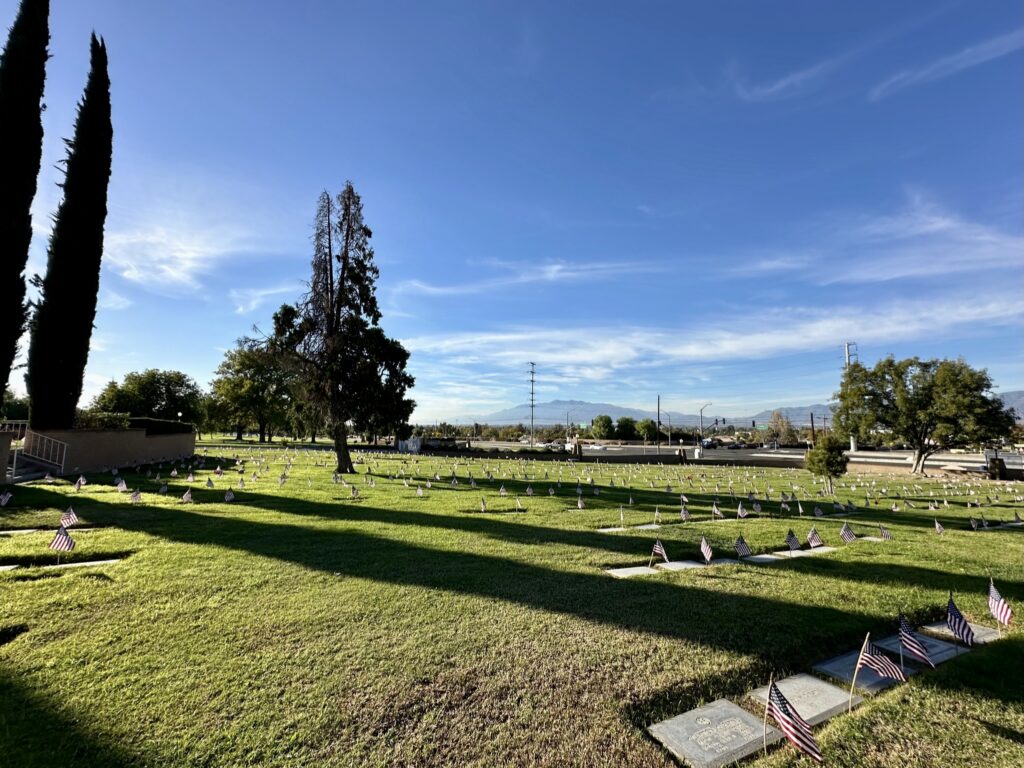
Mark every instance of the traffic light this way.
pixel 753 424
pixel 716 422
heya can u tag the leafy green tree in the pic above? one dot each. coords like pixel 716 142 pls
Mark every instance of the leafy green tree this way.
pixel 931 405
pixel 62 326
pixel 625 428
pixel 332 336
pixel 780 429
pixel 602 428
pixel 252 387
pixel 153 393
pixel 827 460
pixel 22 77
pixel 13 407
pixel 647 430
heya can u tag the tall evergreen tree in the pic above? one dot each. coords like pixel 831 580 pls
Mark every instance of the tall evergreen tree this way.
pixel 22 75
pixel 62 326
pixel 332 337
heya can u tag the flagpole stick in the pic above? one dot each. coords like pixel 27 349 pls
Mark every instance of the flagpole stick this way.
pixel 856 669
pixel 771 678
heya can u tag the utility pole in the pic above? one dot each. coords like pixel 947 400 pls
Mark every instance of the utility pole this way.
pixel 533 402
pixel 813 438
pixel 658 430
pixel 701 416
pixel 847 355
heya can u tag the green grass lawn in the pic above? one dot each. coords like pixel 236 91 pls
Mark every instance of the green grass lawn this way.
pixel 299 626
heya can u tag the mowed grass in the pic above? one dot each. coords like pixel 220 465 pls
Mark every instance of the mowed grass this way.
pixel 299 626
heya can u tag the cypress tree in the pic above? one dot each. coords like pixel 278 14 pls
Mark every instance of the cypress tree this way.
pixel 62 326
pixel 22 75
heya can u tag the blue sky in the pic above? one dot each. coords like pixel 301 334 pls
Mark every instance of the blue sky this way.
pixel 702 201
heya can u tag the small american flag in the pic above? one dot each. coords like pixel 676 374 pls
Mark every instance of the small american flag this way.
pixel 419 490
pixel 187 496
pixel 974 524
pixel 958 624
pixel 501 491
pixel 795 727
pixel 5 498
pixel 684 514
pixel 174 472
pixel 659 549
pixel 62 542
pixel 705 549
pixel 715 511
pixel 218 471
pixel 757 508
pixel 81 481
pixel 163 488
pixel 938 527
pixel 740 511
pixel 122 486
pixel 882 664
pixel 800 509
pixel 818 512
pixel 742 550
pixel 209 483
pixel 886 535
pixel 136 497
pixel 910 642
pixel 846 533
pixel 997 606
pixel 48 479
pixel 68 519
pixel 229 495
pixel 814 539
pixel 792 541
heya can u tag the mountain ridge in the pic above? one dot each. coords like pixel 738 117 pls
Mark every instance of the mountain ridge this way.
pixel 583 411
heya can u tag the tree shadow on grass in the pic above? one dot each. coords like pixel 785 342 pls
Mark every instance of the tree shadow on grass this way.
pixel 994 670
pixel 36 734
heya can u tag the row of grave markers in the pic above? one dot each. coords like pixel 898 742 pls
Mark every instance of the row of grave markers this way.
pixel 721 732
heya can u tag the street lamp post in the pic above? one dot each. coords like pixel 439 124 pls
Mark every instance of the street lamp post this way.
pixel 567 415
pixel 702 422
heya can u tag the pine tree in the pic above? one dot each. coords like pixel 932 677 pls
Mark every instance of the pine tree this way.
pixel 62 326
pixel 332 337
pixel 22 75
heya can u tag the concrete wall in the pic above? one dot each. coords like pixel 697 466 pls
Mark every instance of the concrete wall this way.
pixel 5 452
pixel 92 450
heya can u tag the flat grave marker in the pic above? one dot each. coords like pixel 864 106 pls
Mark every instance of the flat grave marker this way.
pixel 982 634
pixel 680 565
pixel 815 700
pixel 647 527
pixel 761 559
pixel 610 530
pixel 939 651
pixel 784 553
pixel 717 734
pixel 83 564
pixel 629 573
pixel 841 668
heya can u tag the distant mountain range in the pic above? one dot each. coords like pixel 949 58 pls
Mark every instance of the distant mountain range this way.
pixel 583 412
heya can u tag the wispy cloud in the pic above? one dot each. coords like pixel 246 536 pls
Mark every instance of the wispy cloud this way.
pixel 113 300
pixel 523 274
pixel 950 65
pixel 250 299
pixel 787 86
pixel 164 257
pixel 593 353
pixel 921 240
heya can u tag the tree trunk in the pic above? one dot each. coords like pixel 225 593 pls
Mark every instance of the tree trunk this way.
pixel 345 466
pixel 919 459
pixel 313 436
pixel 263 431
pixel 238 432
